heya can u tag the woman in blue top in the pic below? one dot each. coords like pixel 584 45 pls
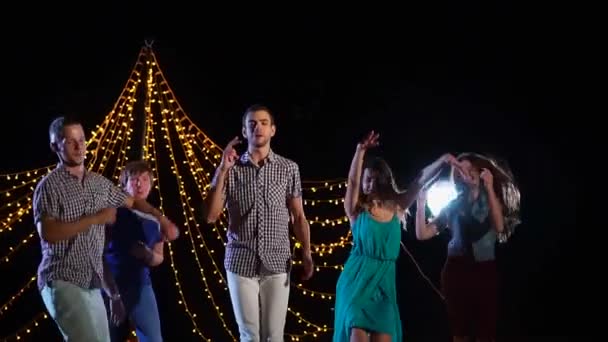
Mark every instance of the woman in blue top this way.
pixel 486 210
pixel 135 243
pixel 366 296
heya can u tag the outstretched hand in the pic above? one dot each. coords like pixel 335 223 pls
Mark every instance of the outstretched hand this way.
pixel 487 178
pixel 230 156
pixel 370 141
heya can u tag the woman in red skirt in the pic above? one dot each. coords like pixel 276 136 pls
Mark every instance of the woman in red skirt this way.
pixel 486 210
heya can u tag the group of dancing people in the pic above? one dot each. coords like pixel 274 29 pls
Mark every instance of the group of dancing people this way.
pixel 100 239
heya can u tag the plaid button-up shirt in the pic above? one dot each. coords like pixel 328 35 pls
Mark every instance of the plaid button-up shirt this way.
pixel 60 195
pixel 258 228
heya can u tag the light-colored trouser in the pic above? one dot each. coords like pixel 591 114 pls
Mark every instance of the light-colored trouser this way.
pixel 79 313
pixel 260 306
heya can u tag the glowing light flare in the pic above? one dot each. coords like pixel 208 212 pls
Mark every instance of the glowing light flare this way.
pixel 439 195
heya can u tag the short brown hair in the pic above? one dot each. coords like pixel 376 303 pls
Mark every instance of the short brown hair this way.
pixel 134 168
pixel 255 108
pixel 57 127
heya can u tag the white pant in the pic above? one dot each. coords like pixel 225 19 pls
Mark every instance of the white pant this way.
pixel 265 296
pixel 80 314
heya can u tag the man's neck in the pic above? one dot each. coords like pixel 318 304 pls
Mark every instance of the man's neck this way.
pixel 257 154
pixel 76 170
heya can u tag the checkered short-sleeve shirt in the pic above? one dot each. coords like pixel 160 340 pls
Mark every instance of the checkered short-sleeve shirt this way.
pixel 60 195
pixel 258 228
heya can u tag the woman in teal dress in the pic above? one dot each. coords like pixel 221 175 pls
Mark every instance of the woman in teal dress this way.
pixel 366 295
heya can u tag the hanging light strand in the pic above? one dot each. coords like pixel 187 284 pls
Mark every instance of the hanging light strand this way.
pixel 151 154
pixel 14 249
pixel 28 173
pixel 24 332
pixel 188 213
pixel 4 308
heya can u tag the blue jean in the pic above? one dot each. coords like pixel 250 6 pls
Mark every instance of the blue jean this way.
pixel 142 309
pixel 80 314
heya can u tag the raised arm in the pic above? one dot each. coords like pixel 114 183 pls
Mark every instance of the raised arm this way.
pixel 424 231
pixel 169 229
pixel 216 197
pixel 425 176
pixel 354 184
pixel 354 175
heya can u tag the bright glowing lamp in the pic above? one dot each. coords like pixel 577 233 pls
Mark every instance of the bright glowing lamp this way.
pixel 439 195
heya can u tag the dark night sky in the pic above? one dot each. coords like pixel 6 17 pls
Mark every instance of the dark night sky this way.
pixel 431 78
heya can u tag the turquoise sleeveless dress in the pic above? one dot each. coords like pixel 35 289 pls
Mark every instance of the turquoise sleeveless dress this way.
pixel 366 293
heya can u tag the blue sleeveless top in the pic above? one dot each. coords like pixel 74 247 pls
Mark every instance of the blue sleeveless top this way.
pixel 470 227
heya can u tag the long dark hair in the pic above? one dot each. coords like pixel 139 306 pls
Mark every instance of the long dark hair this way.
pixel 480 162
pixel 504 184
pixel 386 187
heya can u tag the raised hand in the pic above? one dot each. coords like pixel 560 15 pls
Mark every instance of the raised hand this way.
pixel 453 162
pixel 450 159
pixel 487 178
pixel 230 156
pixel 370 141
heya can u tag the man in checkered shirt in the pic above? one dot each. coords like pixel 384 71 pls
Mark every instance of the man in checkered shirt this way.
pixel 262 191
pixel 71 207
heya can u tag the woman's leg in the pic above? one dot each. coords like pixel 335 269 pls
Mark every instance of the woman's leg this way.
pixel 456 282
pixel 486 301
pixel 358 335
pixel 380 337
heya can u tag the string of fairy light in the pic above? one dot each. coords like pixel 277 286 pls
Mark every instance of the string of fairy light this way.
pixel 188 211
pixel 4 308
pixel 150 146
pixel 168 126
